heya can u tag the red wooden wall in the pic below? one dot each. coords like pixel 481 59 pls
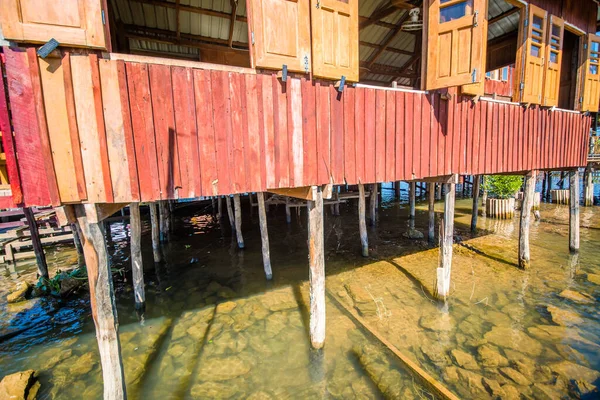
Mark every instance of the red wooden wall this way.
pixel 191 132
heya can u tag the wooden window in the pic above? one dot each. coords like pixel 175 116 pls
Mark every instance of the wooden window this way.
pixel 534 58
pixel 591 75
pixel 554 50
pixel 457 33
pixel 70 22
pixel 281 31
pixel 334 25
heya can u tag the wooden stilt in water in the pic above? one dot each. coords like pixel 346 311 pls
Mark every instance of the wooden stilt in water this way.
pixel 288 214
pixel 373 205
pixel 526 206
pixel 219 207
pixel 316 261
pixel 104 311
pixel 562 179
pixel 411 200
pixel 431 215
pixel 362 223
pixel 544 185
pixel 154 222
pixel 475 212
pixel 40 257
pixel 446 241
pixel 76 238
pixel 589 187
pixel 484 197
pixel 574 211
pixel 213 202
pixel 438 195
pixel 230 213
pixel 165 220
pixel 264 235
pixel 108 232
pixel 137 266
pixel 238 220
pixel 397 189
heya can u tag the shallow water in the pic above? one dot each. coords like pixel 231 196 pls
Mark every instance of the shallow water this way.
pixel 214 328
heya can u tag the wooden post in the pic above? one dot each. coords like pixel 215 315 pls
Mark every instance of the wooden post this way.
pixel 475 212
pixel 438 195
pixel 544 185
pixel 446 241
pixel 574 211
pixel 411 200
pixel 362 224
pixel 562 179
pixel 219 207
pixel 431 198
pixel 230 213
pixel 107 232
pixel 373 205
pixel 238 220
pixel 137 266
pixel 264 235
pixel 288 214
pixel 484 197
pixel 589 187
pixel 76 238
pixel 526 206
pixel 165 220
pixel 316 261
pixel 156 252
pixel 397 189
pixel 104 311
pixel 40 257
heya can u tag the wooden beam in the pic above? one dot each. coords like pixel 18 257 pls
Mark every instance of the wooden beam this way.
pixel 377 16
pixel 431 212
pixel 40 257
pixel 382 69
pixel 438 179
pixel 504 15
pixel 390 49
pixel 177 18
pixel 234 5
pixel 155 225
pixel 98 212
pixel 192 9
pixel 186 39
pixel 475 211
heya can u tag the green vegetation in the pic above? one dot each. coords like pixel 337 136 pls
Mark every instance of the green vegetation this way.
pixel 502 186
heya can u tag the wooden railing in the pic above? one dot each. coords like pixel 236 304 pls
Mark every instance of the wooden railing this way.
pixel 122 130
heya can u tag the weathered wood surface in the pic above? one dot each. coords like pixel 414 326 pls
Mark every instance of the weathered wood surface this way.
pixel 527 205
pixel 40 256
pixel 237 210
pixel 500 208
pixel 362 223
pixel 137 264
pixel 145 134
pixel 446 241
pixel 316 264
pixel 264 235
pixel 588 193
pixel 475 211
pixel 155 224
pixel 431 212
pixel 574 211
pixel 560 196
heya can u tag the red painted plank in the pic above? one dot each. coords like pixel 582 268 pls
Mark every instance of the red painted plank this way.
pixel 294 129
pixel 359 129
pixel 390 135
pixel 235 141
pixel 8 143
pixel 309 128
pixel 423 155
pixel 370 136
pixel 323 133
pixel 400 174
pixel 337 135
pixel 409 110
pixel 222 126
pixel 465 112
pixel 475 135
pixel 380 136
pixel 489 138
pixel 260 78
pixel 268 129
pixel 527 150
pixel 203 101
pixel 164 122
pixel 454 119
pixel 440 149
pixel 496 139
pixel 417 134
pixel 502 137
pixel 448 123
pixel 186 133
pixel 127 130
pixel 282 163
pixel 349 137
pixel 252 141
pixel 34 182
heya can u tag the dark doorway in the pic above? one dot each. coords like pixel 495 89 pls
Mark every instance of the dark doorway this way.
pixel 568 71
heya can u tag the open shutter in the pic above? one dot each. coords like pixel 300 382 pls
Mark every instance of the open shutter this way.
pixel 70 22
pixel 281 34
pixel 554 51
pixel 455 40
pixel 334 25
pixel 591 75
pixel 534 48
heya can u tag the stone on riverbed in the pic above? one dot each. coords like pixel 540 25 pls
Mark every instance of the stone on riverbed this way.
pixel 569 370
pixel 213 390
pixel 577 297
pixel 437 322
pixel 226 307
pixel 19 386
pixel 222 369
pixel 20 293
pixel 490 357
pixel 515 376
pixel 363 301
pixel 509 338
pixel 564 317
pixel 464 360
pixel 414 234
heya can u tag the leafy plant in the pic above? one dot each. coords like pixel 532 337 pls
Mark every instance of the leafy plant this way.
pixel 502 186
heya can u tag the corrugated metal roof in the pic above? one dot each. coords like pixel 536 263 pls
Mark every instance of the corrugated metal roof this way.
pixel 505 25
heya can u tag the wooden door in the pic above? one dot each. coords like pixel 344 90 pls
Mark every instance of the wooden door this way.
pixel 70 22
pixel 591 75
pixel 334 25
pixel 554 53
pixel 280 34
pixel 456 31
pixel 534 61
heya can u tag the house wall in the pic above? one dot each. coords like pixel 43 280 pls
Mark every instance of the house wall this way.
pixel 581 13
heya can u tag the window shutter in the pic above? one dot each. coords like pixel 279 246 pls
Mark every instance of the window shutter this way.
pixel 534 47
pixel 281 34
pixel 591 75
pixel 334 25
pixel 456 40
pixel 70 22
pixel 554 51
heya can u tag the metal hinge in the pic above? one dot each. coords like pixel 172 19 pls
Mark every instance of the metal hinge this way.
pixel 581 100
pixel 318 4
pixel 103 18
pixel 306 65
pixel 474 76
pixel 585 46
pixel 522 85
pixel 475 22
pixel 252 37
pixel 526 22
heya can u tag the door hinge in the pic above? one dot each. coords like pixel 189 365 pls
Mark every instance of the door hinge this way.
pixel 522 85
pixel 474 76
pixel 318 5
pixel 103 18
pixel 585 46
pixel 475 22
pixel 526 22
pixel 252 37
pixel 306 65
pixel 581 100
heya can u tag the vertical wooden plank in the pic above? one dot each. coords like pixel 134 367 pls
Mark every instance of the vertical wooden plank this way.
pixel 520 140
pixel 359 128
pixel 449 128
pixel 260 79
pixel 222 128
pixel 475 138
pixel 434 132
pixel 489 137
pixel 515 137
pixel 203 101
pixel 444 155
pixel 309 129
pixel 469 109
pixel 134 183
pixel 186 133
pixel 53 87
pixel 400 136
pixel 103 146
pixel 455 128
pixel 409 110
pixel 390 136
pixel 252 149
pixel 282 165
pixel 323 133
pixel 370 146
pixel 115 133
pixel 235 141
pixel 416 136
pixel 496 148
pixel 379 136
pixel 349 137
pixel 296 144
pixel 425 136
pixel 337 135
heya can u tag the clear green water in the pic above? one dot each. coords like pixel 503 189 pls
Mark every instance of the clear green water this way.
pixel 214 328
